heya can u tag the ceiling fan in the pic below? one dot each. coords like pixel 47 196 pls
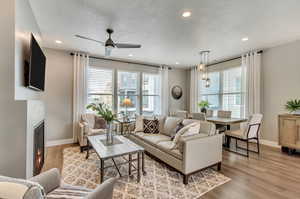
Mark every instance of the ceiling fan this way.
pixel 109 43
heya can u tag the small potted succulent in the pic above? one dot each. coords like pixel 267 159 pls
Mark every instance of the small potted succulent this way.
pixel 204 105
pixel 293 106
pixel 105 112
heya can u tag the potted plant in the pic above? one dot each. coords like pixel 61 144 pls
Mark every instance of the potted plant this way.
pixel 204 105
pixel 293 106
pixel 105 112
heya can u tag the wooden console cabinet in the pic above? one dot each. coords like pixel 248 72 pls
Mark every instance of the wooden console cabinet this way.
pixel 289 132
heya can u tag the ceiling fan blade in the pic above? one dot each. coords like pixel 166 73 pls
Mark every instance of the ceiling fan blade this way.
pixel 87 38
pixel 123 45
pixel 107 51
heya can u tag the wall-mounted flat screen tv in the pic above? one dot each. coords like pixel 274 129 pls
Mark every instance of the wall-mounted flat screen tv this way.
pixel 37 66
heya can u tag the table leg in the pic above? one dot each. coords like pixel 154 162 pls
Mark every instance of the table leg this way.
pixel 88 150
pixel 143 163
pixel 101 170
pixel 129 167
pixel 138 167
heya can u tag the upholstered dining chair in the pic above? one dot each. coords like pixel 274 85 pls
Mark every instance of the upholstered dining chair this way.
pixel 224 114
pixel 181 113
pixel 248 131
pixel 198 116
pixel 209 113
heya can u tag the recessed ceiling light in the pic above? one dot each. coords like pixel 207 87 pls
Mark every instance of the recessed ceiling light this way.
pixel 177 63
pixel 58 41
pixel 245 39
pixel 130 55
pixel 186 14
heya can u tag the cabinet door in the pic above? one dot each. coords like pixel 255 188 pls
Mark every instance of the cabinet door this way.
pixel 288 131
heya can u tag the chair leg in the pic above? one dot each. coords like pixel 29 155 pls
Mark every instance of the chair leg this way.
pixel 236 144
pixel 258 145
pixel 247 148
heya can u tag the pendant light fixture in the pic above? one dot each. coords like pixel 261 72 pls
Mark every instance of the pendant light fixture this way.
pixel 202 66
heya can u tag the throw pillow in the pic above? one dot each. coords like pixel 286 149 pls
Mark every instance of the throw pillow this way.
pixel 175 131
pixel 170 125
pixel 100 123
pixel 151 126
pixel 188 130
pixel 139 124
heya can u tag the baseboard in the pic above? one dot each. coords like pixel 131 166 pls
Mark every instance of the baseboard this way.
pixel 269 143
pixel 59 142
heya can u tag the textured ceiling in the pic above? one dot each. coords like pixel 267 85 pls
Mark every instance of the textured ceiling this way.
pixel 166 37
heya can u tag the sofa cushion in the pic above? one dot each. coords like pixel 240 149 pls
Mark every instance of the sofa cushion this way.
pixel 152 139
pixel 170 125
pixel 139 124
pixel 191 129
pixel 166 146
pixel 151 126
pixel 68 191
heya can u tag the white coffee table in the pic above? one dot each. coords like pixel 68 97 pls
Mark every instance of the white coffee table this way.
pixel 121 148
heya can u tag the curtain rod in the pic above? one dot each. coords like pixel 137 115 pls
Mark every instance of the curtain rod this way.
pixel 231 59
pixel 127 62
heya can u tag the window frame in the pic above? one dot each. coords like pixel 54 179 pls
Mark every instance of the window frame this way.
pixel 221 92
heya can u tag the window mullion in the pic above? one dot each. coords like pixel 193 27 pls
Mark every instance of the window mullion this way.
pixel 115 90
pixel 221 89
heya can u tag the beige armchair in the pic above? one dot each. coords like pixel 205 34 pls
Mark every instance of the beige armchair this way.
pixel 51 182
pixel 90 124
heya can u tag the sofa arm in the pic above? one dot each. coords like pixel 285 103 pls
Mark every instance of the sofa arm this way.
pixel 103 191
pixel 49 180
pixel 201 152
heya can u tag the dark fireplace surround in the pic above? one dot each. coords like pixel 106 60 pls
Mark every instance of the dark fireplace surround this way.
pixel 38 148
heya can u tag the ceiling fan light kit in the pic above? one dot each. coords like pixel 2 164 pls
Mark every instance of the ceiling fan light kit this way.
pixel 109 44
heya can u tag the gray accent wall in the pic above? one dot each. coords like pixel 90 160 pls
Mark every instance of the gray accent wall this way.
pixel 281 82
pixel 59 95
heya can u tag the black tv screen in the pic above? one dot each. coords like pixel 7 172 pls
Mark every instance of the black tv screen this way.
pixel 37 66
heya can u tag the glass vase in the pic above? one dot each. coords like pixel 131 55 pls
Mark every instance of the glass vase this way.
pixel 109 134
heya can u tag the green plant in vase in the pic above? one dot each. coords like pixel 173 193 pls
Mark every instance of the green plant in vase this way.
pixel 106 113
pixel 204 105
pixel 293 106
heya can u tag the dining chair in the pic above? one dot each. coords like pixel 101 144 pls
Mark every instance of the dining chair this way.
pixel 224 114
pixel 209 113
pixel 248 131
pixel 181 113
pixel 198 116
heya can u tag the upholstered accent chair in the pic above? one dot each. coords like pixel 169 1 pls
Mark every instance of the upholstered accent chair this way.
pixel 53 188
pixel 198 116
pixel 90 124
pixel 248 131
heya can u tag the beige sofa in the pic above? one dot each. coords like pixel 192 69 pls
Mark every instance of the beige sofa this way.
pixel 196 152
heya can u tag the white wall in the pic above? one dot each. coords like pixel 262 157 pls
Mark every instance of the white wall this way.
pixel 59 95
pixel 12 114
pixel 281 82
pixel 179 77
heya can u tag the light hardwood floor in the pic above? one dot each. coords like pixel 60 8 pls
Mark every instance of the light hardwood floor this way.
pixel 271 175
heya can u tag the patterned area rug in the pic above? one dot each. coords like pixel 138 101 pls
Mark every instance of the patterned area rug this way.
pixel 160 182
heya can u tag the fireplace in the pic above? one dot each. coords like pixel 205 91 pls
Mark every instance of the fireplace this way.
pixel 38 148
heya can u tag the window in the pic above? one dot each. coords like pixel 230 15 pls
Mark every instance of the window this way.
pixel 128 88
pixel 100 85
pixel 151 93
pixel 143 90
pixel 225 91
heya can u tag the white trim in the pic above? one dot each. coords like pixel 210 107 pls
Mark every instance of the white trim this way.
pixel 59 142
pixel 269 143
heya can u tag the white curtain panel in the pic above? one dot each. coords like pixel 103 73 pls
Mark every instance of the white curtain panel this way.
pixel 194 90
pixel 164 78
pixel 251 63
pixel 80 70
